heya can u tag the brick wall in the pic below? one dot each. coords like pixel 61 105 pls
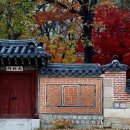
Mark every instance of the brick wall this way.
pixel 119 86
pixel 71 95
pixel 81 100
pixel 116 100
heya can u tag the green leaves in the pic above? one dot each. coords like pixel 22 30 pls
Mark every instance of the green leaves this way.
pixel 16 19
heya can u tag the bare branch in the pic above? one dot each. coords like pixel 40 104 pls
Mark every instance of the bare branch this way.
pixel 62 5
pixel 80 2
pixel 71 10
pixel 50 1
pixel 40 7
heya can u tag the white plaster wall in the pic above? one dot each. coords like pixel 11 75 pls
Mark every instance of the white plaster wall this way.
pixel 19 124
pixel 121 113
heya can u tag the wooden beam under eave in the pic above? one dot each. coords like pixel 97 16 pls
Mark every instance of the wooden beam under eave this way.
pixel 22 61
pixel 15 61
pixel 9 62
pixel 42 61
pixel 29 61
pixel 36 62
pixel 2 61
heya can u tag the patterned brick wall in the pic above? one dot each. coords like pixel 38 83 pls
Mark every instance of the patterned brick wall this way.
pixel 119 84
pixel 71 95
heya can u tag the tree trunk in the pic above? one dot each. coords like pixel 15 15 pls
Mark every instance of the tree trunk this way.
pixel 87 17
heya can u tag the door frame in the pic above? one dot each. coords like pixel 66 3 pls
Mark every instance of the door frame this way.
pixel 34 91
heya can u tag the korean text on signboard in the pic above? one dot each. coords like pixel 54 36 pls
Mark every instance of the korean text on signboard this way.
pixel 14 68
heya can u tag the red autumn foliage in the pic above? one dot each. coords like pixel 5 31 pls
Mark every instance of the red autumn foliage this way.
pixel 57 13
pixel 111 34
pixel 80 46
pixel 52 16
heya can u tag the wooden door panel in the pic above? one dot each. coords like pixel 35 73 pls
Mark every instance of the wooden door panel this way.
pixel 16 95
pixel 20 102
pixel 4 96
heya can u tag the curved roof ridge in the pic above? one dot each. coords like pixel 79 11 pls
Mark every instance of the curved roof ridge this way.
pixel 73 65
pixel 72 69
pixel 12 40
pixel 18 42
pixel 115 65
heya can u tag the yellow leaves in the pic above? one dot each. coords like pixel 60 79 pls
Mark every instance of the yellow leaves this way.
pixel 39 1
pixel 61 49
pixel 106 0
pixel 74 29
pixel 45 40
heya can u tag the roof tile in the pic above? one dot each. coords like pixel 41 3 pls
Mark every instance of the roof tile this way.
pixel 56 69
pixel 22 49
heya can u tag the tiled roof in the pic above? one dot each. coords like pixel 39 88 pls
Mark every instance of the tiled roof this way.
pixel 21 50
pixel 57 69
pixel 115 66
pixel 72 69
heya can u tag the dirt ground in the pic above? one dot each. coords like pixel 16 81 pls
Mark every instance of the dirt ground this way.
pixel 84 129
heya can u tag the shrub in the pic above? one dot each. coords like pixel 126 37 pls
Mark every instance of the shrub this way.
pixel 62 124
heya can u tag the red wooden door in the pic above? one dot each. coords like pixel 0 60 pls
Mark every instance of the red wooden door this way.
pixel 4 96
pixel 15 95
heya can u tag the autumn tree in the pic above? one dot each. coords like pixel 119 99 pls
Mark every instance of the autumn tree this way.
pixel 60 31
pixel 84 10
pixel 111 34
pixel 16 20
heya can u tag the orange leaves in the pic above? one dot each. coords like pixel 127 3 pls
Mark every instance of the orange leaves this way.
pixel 56 15
pixel 55 20
pixel 55 12
pixel 61 50
pixel 42 17
pixel 39 1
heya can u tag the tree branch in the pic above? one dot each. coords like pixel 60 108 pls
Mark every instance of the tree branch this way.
pixel 62 5
pixel 80 2
pixel 50 1
pixel 40 7
pixel 71 10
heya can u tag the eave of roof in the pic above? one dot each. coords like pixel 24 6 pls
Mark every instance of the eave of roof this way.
pixel 56 69
pixel 22 52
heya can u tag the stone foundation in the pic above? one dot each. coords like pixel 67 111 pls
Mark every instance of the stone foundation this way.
pixel 78 121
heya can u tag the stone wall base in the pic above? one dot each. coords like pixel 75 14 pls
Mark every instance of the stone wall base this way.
pixel 117 123
pixel 86 121
pixel 78 121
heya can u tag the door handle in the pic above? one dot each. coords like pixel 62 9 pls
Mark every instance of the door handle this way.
pixel 14 98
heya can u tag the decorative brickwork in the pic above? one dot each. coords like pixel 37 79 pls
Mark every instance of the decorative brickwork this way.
pixel 53 95
pixel 71 95
pixel 88 95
